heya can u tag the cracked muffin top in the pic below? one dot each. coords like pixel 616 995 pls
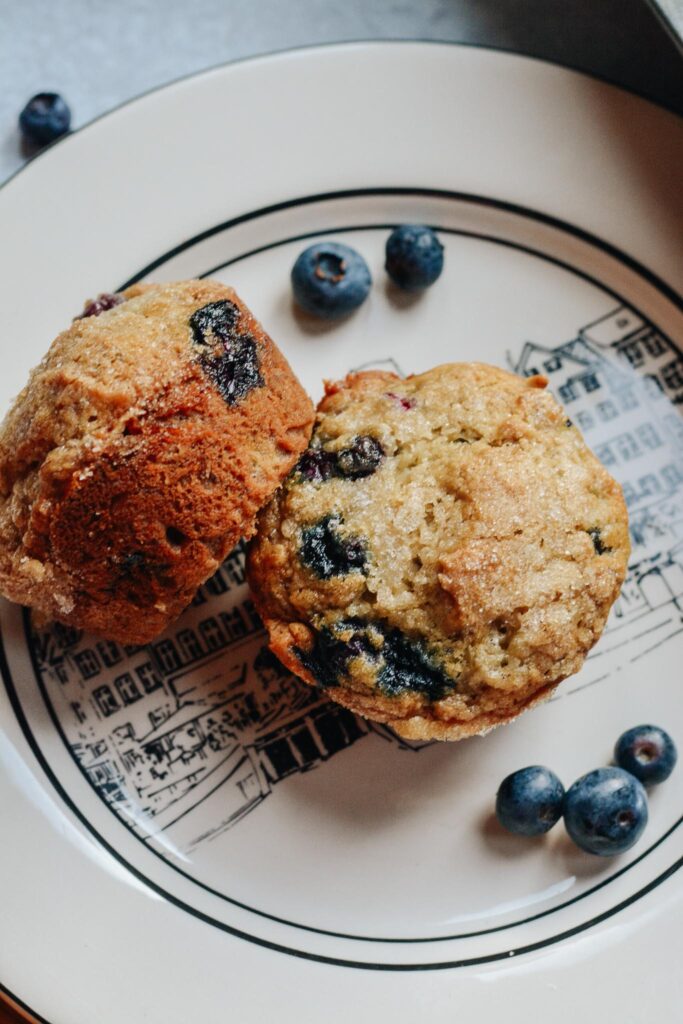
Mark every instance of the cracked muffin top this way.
pixel 139 453
pixel 445 552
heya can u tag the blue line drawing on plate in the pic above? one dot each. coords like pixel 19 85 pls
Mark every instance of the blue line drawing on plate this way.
pixel 158 729
pixel 621 381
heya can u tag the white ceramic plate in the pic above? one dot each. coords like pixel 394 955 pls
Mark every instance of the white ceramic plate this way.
pixel 188 834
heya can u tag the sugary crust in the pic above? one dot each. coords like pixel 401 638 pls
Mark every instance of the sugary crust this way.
pixel 125 475
pixel 496 540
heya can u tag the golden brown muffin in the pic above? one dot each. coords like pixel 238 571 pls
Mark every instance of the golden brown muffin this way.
pixel 445 552
pixel 139 453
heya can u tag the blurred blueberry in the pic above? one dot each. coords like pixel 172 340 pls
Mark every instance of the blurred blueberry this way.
pixel 414 257
pixel 605 811
pixel 529 801
pixel 330 280
pixel 647 752
pixel 103 302
pixel 45 118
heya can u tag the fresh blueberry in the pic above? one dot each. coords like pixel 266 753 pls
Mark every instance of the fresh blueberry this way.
pixel 414 257
pixel 45 118
pixel 103 302
pixel 330 280
pixel 647 752
pixel 361 458
pixel 529 802
pixel 605 811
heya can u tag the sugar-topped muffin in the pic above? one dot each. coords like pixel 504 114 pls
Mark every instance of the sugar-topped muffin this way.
pixel 139 453
pixel 445 552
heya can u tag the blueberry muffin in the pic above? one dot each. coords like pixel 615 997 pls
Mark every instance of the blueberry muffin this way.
pixel 445 552
pixel 138 454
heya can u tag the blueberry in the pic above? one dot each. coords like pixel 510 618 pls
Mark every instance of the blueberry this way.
pixel 408 666
pixel 647 752
pixel 235 371
pixel 316 465
pixel 414 257
pixel 529 802
pixel 596 536
pixel 330 280
pixel 328 554
pixel 605 811
pixel 361 458
pixel 45 118
pixel 229 358
pixel 326 660
pixel 329 655
pixel 403 664
pixel 103 302
pixel 217 321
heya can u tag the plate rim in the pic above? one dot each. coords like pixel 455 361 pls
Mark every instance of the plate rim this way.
pixel 360 41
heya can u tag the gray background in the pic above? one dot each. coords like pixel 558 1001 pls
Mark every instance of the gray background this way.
pixel 98 53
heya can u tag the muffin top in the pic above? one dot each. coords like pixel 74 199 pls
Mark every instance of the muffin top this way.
pixel 444 553
pixel 140 452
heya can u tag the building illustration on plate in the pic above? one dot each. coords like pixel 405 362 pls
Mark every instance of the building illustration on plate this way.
pixel 621 381
pixel 157 729
pixel 161 728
